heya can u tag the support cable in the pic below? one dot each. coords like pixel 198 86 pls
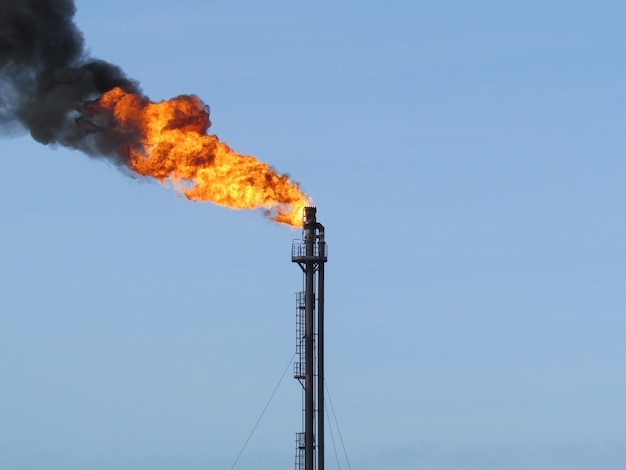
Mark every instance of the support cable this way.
pixel 263 412
pixel 337 424
pixel 332 438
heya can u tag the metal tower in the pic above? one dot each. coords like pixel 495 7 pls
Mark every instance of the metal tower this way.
pixel 310 253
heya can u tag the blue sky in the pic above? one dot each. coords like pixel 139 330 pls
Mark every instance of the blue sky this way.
pixel 467 160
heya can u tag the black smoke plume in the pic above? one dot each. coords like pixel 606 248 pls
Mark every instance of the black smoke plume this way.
pixel 46 76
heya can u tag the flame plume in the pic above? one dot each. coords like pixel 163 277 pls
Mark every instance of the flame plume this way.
pixel 51 87
pixel 168 141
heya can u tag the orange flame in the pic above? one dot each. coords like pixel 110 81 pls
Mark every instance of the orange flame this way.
pixel 170 143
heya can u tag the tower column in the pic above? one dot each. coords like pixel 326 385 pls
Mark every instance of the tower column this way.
pixel 310 254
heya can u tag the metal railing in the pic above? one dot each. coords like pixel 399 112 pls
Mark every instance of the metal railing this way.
pixel 299 250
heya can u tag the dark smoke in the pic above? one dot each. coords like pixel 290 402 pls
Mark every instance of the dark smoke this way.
pixel 46 76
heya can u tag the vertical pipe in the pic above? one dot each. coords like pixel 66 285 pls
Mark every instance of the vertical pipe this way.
pixel 309 300
pixel 320 351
